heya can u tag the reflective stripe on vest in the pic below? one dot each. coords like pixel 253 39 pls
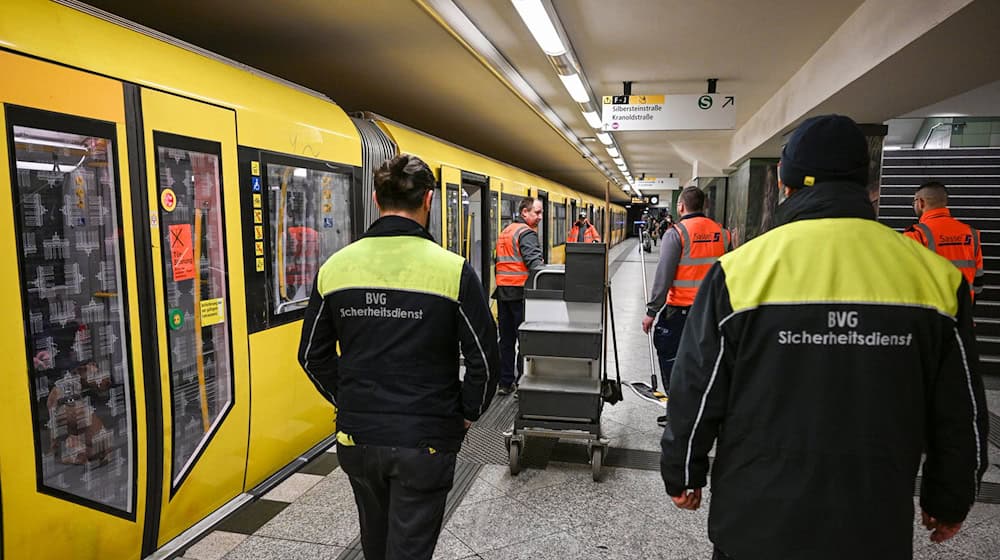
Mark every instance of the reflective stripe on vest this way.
pixel 955 241
pixel 510 267
pixel 703 241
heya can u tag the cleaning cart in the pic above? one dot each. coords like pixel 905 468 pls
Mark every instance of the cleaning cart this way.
pixel 565 385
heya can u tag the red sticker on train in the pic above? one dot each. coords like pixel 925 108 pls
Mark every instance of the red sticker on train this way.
pixel 181 252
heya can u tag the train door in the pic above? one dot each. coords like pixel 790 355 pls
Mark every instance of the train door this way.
pixel 496 188
pixel 543 230
pixel 74 440
pixel 476 211
pixel 197 263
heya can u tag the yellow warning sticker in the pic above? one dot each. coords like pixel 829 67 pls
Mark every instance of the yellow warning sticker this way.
pixel 327 208
pixel 260 264
pixel 255 168
pixel 213 312
pixel 258 217
pixel 258 248
pixel 258 232
pixel 256 200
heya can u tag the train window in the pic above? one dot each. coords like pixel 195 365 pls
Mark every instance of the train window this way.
pixel 558 223
pixel 309 216
pixel 454 209
pixel 196 292
pixel 508 210
pixel 435 221
pixel 74 305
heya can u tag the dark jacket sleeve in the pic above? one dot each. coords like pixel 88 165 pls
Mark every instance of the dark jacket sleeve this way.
pixel 699 388
pixel 318 346
pixel 477 335
pixel 957 424
pixel 531 250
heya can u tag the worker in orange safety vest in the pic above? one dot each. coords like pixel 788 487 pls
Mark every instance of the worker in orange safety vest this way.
pixel 582 231
pixel 518 254
pixel 688 250
pixel 946 236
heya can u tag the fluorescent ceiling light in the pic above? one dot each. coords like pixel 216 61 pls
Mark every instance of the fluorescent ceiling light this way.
pixel 53 143
pixel 575 88
pixel 592 119
pixel 537 19
pixel 613 152
pixel 42 166
pixel 618 161
pixel 623 168
pixel 605 138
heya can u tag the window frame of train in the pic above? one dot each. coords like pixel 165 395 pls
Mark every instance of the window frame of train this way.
pixel 94 130
pixel 169 141
pixel 559 224
pixel 508 213
pixel 261 311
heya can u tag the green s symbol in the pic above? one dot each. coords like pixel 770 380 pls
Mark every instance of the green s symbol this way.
pixel 705 102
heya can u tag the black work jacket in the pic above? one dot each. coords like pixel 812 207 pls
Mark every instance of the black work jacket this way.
pixel 824 357
pixel 401 308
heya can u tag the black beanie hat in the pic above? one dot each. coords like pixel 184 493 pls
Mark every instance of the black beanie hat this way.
pixel 825 148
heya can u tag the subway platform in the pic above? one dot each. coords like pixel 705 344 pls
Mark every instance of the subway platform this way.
pixel 552 510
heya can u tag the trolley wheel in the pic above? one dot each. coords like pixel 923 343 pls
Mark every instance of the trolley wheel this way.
pixel 514 451
pixel 596 460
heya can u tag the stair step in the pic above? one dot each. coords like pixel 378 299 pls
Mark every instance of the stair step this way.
pixel 944 152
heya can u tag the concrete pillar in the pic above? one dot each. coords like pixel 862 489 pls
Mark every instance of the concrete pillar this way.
pixel 875 133
pixel 751 198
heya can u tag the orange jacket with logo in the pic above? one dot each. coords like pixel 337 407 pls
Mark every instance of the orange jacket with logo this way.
pixel 510 267
pixel 703 241
pixel 953 240
pixel 590 235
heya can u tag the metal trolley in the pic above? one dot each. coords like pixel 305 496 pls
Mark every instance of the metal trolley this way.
pixel 560 393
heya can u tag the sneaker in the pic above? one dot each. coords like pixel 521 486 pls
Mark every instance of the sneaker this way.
pixel 505 389
pixel 661 420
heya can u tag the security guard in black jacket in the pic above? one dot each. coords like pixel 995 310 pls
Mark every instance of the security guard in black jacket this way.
pixel 826 356
pixel 400 307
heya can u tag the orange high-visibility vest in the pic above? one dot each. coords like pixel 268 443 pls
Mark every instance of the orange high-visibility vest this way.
pixel 951 239
pixel 589 236
pixel 703 241
pixel 511 270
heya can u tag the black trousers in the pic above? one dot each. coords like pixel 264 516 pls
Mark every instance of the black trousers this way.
pixel 719 555
pixel 401 494
pixel 667 339
pixel 510 315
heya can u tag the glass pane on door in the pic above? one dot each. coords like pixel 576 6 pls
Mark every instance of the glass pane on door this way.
pixel 73 294
pixel 310 217
pixel 472 227
pixel 454 210
pixel 194 266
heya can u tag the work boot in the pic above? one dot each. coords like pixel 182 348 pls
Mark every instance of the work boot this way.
pixel 505 389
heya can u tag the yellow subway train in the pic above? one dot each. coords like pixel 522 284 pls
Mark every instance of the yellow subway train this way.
pixel 167 212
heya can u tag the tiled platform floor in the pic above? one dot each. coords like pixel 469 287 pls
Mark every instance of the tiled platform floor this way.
pixel 556 513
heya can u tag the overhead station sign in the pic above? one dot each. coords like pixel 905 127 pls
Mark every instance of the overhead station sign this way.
pixel 707 111
pixel 661 183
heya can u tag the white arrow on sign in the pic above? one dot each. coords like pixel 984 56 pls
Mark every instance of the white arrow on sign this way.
pixel 707 111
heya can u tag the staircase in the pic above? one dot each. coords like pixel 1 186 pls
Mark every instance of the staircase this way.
pixel 972 176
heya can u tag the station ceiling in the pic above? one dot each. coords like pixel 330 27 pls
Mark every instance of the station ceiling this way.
pixel 406 61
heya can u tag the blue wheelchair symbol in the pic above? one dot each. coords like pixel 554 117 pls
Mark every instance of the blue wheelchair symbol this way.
pixel 256 184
